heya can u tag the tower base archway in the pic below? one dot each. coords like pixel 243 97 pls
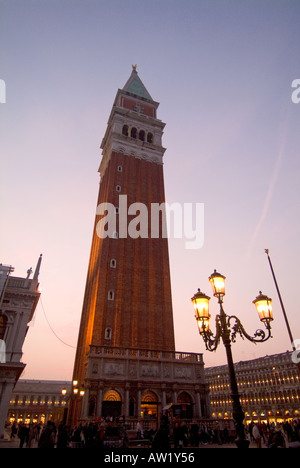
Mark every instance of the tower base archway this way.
pixel 111 405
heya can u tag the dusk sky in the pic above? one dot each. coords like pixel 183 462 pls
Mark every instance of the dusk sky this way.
pixel 222 71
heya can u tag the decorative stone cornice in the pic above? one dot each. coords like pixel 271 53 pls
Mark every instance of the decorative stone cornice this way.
pixel 130 147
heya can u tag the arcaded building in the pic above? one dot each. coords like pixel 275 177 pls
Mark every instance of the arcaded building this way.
pixel 38 401
pixel 269 388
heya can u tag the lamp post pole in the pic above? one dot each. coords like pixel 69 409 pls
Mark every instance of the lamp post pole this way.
pixel 228 333
pixel 74 405
pixel 238 414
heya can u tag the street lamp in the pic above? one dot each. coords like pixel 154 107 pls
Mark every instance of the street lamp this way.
pixel 227 328
pixel 201 307
pixel 75 400
pixel 217 282
pixel 264 308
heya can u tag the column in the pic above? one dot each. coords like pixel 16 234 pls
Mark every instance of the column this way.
pixel 99 402
pixel 4 404
pixel 163 399
pixel 139 402
pixel 198 406
pixel 126 409
pixel 85 403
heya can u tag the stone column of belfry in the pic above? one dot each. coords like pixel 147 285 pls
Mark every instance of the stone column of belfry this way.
pixel 127 301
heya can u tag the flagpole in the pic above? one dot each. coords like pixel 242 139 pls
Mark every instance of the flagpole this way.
pixel 282 306
pixel 295 354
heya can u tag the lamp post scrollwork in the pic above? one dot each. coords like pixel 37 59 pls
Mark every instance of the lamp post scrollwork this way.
pixel 227 329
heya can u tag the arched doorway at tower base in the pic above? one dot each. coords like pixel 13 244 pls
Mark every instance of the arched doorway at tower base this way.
pixel 149 407
pixel 111 405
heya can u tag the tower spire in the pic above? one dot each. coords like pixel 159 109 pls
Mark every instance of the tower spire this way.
pixel 37 269
pixel 134 85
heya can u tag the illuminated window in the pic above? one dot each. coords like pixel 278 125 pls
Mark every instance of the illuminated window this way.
pixel 112 395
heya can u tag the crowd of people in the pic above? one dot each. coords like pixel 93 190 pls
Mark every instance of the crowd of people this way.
pixel 286 435
pixel 61 436
pixel 176 435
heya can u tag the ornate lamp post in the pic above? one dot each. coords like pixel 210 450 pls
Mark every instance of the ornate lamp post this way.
pixel 75 400
pixel 227 328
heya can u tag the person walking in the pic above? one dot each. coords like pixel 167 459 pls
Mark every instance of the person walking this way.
pixel 257 435
pixel 14 430
pixel 47 438
pixel 22 434
pixel 62 436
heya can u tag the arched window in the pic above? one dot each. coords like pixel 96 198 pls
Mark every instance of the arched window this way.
pixel 185 404
pixel 111 295
pixel 108 333
pixel 112 395
pixel 184 397
pixel 142 135
pixel 125 130
pixel 133 132
pixel 149 397
pixel 149 138
pixel 113 263
pixel 118 188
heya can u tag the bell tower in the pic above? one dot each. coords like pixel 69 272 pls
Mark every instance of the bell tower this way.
pixel 127 307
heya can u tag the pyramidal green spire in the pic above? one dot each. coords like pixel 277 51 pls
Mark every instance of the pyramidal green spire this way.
pixel 134 85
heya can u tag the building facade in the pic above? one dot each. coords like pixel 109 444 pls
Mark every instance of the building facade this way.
pixel 126 348
pixel 37 401
pixel 18 300
pixel 142 384
pixel 269 389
